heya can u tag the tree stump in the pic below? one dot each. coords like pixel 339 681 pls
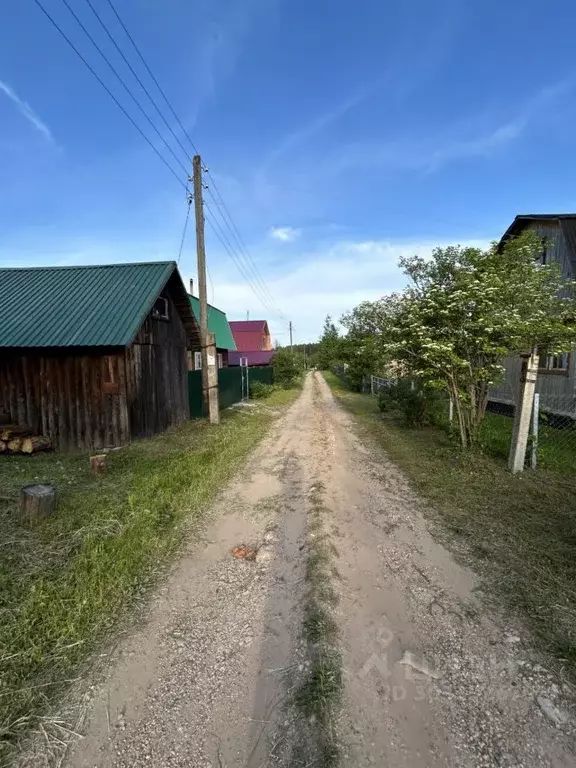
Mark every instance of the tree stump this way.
pixel 98 464
pixel 37 501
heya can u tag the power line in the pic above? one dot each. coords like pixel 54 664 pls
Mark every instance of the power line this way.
pixel 223 238
pixel 156 83
pixel 123 84
pixel 259 288
pixel 146 91
pixel 109 92
pixel 184 232
pixel 235 231
pixel 238 238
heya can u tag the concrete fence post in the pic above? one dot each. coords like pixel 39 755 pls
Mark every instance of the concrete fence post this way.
pixel 523 413
pixel 535 419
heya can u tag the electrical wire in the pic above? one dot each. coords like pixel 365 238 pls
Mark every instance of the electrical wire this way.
pixel 234 228
pixel 109 92
pixel 126 88
pixel 130 67
pixel 218 231
pixel 241 245
pixel 244 262
pixel 156 83
pixel 184 232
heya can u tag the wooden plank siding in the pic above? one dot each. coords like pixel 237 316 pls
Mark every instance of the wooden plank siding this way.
pixel 156 375
pixel 58 393
pixel 87 398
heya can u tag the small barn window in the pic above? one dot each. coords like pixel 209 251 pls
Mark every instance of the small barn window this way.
pixel 197 361
pixel 160 310
pixel 554 363
pixel 220 360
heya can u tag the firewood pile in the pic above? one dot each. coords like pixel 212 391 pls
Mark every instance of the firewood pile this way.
pixel 17 439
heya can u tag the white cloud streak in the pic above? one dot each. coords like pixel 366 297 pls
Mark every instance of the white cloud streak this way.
pixel 285 234
pixel 26 110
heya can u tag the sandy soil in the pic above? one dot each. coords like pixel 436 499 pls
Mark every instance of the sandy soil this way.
pixel 429 678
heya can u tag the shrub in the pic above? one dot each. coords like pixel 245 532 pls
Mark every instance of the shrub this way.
pixel 286 370
pixel 259 389
pixel 419 405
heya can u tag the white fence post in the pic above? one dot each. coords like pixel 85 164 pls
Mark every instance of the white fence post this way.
pixel 523 412
pixel 450 411
pixel 535 414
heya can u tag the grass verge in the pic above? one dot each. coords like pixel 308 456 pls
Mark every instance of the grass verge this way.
pixel 520 530
pixel 319 694
pixel 66 580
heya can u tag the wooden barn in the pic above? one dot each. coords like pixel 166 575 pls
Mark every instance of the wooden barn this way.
pixel 93 357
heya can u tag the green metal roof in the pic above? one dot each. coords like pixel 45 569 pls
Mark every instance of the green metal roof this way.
pixel 217 324
pixel 78 306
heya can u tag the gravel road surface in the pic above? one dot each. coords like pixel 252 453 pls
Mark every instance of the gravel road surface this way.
pixel 429 677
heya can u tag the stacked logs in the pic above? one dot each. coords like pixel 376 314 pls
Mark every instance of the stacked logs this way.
pixel 17 439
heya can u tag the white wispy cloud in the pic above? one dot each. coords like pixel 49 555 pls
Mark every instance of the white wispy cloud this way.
pixel 27 111
pixel 475 136
pixel 285 234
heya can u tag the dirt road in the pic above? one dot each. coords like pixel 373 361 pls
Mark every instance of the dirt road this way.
pixel 214 676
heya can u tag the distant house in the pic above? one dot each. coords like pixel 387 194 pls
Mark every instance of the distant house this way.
pixel 95 356
pixel 253 343
pixel 219 326
pixel 556 382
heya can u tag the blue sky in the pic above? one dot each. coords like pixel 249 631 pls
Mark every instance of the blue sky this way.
pixel 340 135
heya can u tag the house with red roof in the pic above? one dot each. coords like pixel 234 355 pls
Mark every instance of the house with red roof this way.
pixel 253 343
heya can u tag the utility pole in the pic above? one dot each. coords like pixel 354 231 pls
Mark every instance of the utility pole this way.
pixel 290 326
pixel 208 350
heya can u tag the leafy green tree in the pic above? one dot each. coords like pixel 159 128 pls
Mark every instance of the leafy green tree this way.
pixel 327 353
pixel 466 309
pixel 287 367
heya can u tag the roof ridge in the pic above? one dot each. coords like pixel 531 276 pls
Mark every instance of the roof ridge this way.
pixel 89 266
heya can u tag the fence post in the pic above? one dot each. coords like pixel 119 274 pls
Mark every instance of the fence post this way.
pixel 535 415
pixel 523 412
pixel 372 385
pixel 450 411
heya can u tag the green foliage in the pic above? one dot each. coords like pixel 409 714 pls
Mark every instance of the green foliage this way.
pixel 464 311
pixel 420 406
pixel 328 351
pixel 260 389
pixel 287 367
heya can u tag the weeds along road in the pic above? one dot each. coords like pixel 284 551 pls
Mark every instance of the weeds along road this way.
pixel 351 638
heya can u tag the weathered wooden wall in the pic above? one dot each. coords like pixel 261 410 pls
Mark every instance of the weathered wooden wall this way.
pixel 92 398
pixel 157 376
pixel 74 396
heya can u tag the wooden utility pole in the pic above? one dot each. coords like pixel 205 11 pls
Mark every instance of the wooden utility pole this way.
pixel 290 326
pixel 208 350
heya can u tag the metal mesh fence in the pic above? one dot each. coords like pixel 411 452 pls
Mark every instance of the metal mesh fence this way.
pixel 556 432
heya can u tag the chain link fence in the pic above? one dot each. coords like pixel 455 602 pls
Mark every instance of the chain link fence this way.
pixel 552 443
pixel 554 432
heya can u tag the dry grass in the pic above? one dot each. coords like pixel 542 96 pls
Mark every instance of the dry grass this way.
pixel 520 530
pixel 65 581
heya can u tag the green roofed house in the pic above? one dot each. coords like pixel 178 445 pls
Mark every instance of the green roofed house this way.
pixel 95 356
pixel 218 325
